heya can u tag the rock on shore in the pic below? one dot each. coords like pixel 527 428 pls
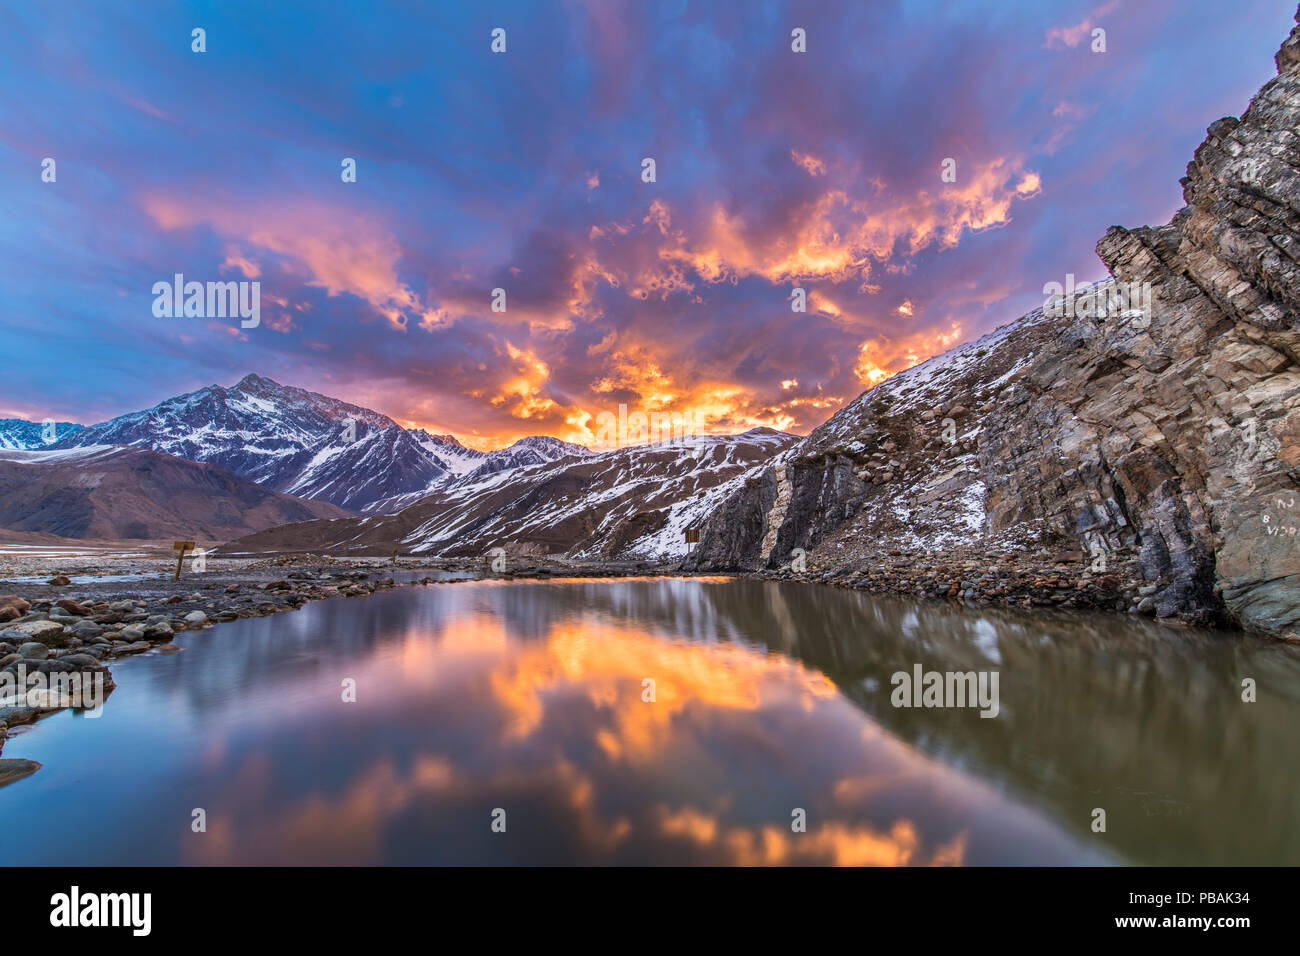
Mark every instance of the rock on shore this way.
pixel 11 770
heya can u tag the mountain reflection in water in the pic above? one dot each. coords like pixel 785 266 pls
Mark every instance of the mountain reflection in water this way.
pixel 770 698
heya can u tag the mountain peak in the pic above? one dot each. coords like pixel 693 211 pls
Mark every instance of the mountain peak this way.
pixel 547 444
pixel 449 440
pixel 254 381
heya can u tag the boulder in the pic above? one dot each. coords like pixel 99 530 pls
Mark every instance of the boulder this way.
pixel 158 631
pixel 14 769
pixel 49 633
pixel 85 630
pixel 82 662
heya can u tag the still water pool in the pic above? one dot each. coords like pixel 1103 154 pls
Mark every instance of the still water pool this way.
pixel 524 707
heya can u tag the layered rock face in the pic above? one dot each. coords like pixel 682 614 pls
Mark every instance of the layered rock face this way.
pixel 1155 444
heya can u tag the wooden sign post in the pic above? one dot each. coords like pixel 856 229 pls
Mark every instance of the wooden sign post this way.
pixel 692 537
pixel 181 547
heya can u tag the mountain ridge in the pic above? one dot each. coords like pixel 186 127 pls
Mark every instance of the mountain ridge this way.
pixel 303 443
pixel 620 504
pixel 118 492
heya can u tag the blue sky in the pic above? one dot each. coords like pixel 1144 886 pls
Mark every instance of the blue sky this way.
pixel 522 171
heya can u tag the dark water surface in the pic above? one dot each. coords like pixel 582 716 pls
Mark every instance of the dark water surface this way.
pixel 527 697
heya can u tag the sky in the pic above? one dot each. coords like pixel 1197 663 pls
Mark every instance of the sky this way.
pixel 524 171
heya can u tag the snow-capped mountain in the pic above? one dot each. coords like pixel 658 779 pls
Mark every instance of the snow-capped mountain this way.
pixel 441 495
pixel 533 450
pixel 627 503
pixel 257 428
pixel 15 433
pixel 305 444
pixel 466 466
pixel 455 456
pixel 357 473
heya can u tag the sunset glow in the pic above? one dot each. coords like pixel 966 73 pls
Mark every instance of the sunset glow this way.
pixel 774 171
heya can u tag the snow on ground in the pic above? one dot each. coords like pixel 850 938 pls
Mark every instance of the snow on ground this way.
pixel 921 385
pixel 675 476
pixel 42 456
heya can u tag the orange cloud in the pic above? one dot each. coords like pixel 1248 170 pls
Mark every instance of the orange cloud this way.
pixel 835 842
pixel 837 236
pixel 233 260
pixel 522 394
pixel 338 251
pixel 519 387
pixel 878 360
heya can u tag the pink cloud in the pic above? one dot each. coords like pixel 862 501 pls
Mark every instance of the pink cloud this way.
pixel 1072 36
pixel 338 251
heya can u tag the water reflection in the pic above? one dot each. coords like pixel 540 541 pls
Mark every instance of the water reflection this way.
pixel 769 699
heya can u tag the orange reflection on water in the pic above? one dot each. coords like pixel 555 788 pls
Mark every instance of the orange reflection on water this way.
pixel 835 842
pixel 611 665
pixel 555 730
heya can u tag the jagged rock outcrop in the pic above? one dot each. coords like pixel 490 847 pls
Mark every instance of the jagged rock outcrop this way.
pixel 1150 432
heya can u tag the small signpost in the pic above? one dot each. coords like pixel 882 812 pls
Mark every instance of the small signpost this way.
pixel 692 537
pixel 180 547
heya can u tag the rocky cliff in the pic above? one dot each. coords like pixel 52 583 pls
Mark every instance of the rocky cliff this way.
pixel 1137 446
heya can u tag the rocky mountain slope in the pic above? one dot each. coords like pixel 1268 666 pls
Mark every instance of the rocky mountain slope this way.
pixel 306 444
pixel 533 450
pixel 363 473
pixel 627 503
pixel 471 466
pixel 115 493
pixel 1147 455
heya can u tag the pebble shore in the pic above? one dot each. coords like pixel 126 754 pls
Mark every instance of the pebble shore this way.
pixel 1022 579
